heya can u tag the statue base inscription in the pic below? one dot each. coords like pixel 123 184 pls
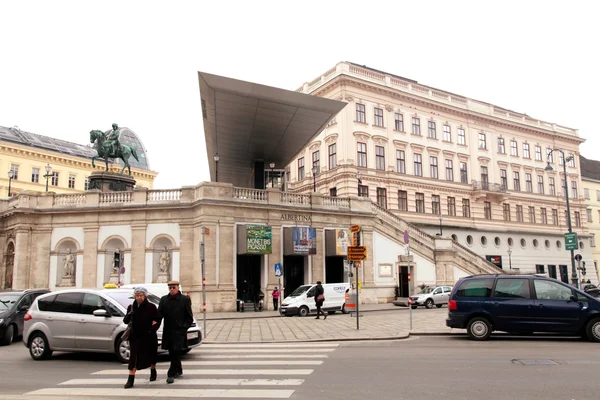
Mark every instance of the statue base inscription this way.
pixel 67 281
pixel 111 182
pixel 163 277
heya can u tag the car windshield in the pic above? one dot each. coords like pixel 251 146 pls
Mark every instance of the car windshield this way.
pixel 8 300
pixel 300 290
pixel 426 290
pixel 125 299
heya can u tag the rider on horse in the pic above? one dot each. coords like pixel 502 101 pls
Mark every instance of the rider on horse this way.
pixel 112 141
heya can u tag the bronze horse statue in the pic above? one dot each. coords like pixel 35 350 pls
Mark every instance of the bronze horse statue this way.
pixel 103 148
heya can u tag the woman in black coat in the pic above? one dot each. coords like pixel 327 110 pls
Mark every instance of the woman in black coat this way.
pixel 143 343
pixel 319 291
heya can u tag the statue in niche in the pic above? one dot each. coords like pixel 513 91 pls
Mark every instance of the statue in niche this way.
pixel 69 266
pixel 164 261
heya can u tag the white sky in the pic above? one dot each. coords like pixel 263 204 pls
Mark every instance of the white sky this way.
pixel 67 67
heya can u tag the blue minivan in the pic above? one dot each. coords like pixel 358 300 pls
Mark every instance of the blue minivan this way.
pixel 521 304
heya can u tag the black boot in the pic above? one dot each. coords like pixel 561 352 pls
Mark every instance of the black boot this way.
pixel 152 374
pixel 130 380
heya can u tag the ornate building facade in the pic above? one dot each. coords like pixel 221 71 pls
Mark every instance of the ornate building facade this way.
pixel 590 175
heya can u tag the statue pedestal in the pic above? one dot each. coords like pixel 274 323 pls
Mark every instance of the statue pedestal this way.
pixel 67 280
pixel 111 182
pixel 114 278
pixel 163 277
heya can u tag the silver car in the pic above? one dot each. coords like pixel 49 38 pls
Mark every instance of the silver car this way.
pixel 85 320
pixel 431 296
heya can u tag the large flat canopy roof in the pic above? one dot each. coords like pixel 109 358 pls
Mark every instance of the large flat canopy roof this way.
pixel 245 121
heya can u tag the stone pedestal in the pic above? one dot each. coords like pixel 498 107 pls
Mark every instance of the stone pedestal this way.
pixel 67 280
pixel 114 278
pixel 111 182
pixel 163 277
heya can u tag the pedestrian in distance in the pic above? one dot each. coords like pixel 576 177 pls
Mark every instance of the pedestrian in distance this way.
pixel 319 299
pixel 176 311
pixel 275 295
pixel 143 343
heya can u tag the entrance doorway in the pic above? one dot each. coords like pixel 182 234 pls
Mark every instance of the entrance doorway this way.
pixel 334 269
pixel 564 273
pixel 248 276
pixel 403 280
pixel 293 273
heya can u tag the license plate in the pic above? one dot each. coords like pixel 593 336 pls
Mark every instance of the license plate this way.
pixel 192 335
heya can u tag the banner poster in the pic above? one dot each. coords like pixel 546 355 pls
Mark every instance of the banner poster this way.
pixel 342 241
pixel 258 239
pixel 305 240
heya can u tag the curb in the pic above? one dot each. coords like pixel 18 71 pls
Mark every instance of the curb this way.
pixel 356 339
pixel 199 316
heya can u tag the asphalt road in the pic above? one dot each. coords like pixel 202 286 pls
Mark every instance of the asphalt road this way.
pixel 427 367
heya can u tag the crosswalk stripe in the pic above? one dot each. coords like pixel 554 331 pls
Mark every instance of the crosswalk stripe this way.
pixel 169 392
pixel 192 382
pixel 240 363
pixel 266 350
pixel 216 372
pixel 212 356
pixel 267 345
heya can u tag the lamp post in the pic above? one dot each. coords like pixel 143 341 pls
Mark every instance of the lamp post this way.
pixel 574 281
pixel 216 158
pixel 272 165
pixel 314 171
pixel 440 222
pixel 48 169
pixel 509 259
pixel 11 174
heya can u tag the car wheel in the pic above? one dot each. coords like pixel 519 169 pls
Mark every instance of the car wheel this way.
pixel 122 349
pixel 344 311
pixel 439 305
pixel 413 307
pixel 429 304
pixel 479 328
pixel 303 311
pixel 593 330
pixel 7 338
pixel 39 349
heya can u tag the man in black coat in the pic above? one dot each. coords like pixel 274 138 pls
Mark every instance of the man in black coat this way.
pixel 176 311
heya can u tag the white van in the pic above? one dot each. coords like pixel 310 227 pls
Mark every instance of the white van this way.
pixel 302 300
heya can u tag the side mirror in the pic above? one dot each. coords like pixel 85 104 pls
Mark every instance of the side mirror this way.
pixel 100 313
pixel 574 298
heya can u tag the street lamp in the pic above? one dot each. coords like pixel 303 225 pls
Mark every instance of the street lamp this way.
pixel 314 171
pixel 11 174
pixel 509 259
pixel 272 165
pixel 359 182
pixel 549 168
pixel 440 222
pixel 48 169
pixel 216 158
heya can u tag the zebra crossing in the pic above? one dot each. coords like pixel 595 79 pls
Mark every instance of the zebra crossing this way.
pixel 243 371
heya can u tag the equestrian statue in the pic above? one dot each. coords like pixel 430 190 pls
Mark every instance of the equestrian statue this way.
pixel 108 146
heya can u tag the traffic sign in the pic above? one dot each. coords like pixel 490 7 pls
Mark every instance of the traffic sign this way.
pixel 406 236
pixel 571 241
pixel 278 269
pixel 578 257
pixel 355 228
pixel 122 270
pixel 357 253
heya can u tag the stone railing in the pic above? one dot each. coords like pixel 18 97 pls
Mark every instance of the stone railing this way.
pixel 484 266
pixel 489 187
pixel 255 195
pixel 336 202
pixel 401 224
pixel 69 199
pixel 163 195
pixel 296 199
pixel 115 197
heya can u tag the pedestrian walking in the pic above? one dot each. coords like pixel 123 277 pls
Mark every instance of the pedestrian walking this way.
pixel 275 295
pixel 143 343
pixel 319 299
pixel 176 311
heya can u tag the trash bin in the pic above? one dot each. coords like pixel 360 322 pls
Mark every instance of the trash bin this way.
pixel 350 304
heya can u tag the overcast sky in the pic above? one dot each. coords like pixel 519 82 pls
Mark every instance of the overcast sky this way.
pixel 67 67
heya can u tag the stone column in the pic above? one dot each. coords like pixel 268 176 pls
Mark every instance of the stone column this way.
pixel 138 253
pixel 188 255
pixel 40 262
pixel 21 270
pixel 368 266
pixel 226 255
pixel 90 257
pixel 275 257
pixel 318 273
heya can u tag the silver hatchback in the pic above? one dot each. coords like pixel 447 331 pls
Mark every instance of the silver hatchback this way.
pixel 431 296
pixel 85 320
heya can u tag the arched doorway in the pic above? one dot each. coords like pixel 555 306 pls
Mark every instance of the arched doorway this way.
pixel 9 263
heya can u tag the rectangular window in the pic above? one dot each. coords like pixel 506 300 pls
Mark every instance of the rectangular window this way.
pixel 482 143
pixel 399 122
pixel 431 133
pixel 544 214
pixel 528 183
pixel 513 148
pixel 574 189
pixel 380 158
pixel 86 183
pixel 436 205
pixel 361 155
pixel 402 200
pixel 451 206
pixel 480 287
pixel 433 167
pixel 501 148
pixel 35 175
pixel 578 219
pixel 400 162
pixel 332 156
pixel 363 191
pixel 447 133
pixel 487 210
pixel 333 192
pixel 418 165
pixel 516 182
pixel 15 171
pixel 519 213
pixel 416 126
pixel 449 171
pixel 593 244
pixel 419 202
pixel 54 179
pixel 538 153
pixel 301 168
pixel 463 173
pixel 571 160
pixel 540 184
pixel 316 159
pixel 549 155
pixel 71 181
pixel 506 211
pixel 382 197
pixel 539 269
pixel 589 215
pixel 466 208
pixel 532 214
pixel 484 178
pixel 586 193
pixel 461 136
pixel 554 217
pixel 378 117
pixel 503 179
pixel 526 150
pixel 360 113
pixel 512 289
pixel 552 187
pixel 597 195
pixel 552 271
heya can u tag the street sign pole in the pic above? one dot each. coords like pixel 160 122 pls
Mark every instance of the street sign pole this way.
pixel 357 288
pixel 409 301
pixel 203 280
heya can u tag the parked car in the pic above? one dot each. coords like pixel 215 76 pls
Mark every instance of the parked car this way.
pixel 431 296
pixel 522 304
pixel 13 306
pixel 86 320
pixel 591 289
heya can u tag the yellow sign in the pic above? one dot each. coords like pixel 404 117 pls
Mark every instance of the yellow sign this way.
pixel 357 253
pixel 355 239
pixel 207 231
pixel 355 228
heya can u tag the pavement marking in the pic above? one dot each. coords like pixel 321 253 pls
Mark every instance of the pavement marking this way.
pixel 169 392
pixel 191 382
pixel 268 345
pixel 249 362
pixel 241 350
pixel 215 372
pixel 236 356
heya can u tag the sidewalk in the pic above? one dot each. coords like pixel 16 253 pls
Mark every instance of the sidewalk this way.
pixel 377 322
